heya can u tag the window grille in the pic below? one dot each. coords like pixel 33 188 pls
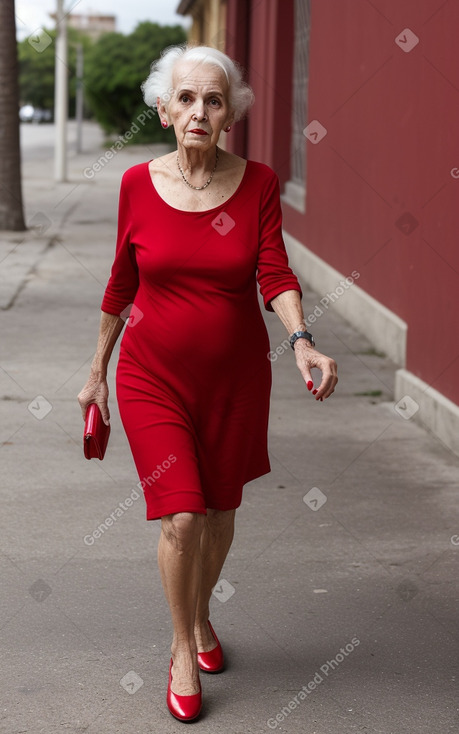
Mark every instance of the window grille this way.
pixel 300 89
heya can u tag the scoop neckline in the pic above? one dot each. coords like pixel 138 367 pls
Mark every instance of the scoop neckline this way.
pixel 200 211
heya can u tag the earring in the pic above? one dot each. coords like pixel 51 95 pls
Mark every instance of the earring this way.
pixel 164 124
pixel 227 129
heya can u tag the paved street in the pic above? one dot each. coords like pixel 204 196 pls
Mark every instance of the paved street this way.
pixel 338 605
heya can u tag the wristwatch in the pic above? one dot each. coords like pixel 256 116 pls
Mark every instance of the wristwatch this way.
pixel 301 335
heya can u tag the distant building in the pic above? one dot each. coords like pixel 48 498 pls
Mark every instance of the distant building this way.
pixel 91 24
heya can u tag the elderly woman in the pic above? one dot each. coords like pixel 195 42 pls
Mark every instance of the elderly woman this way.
pixel 197 229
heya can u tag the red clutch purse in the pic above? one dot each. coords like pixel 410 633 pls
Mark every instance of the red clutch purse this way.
pixel 96 433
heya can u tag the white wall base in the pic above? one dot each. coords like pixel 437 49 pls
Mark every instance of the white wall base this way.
pixel 387 332
pixel 295 195
pixel 437 413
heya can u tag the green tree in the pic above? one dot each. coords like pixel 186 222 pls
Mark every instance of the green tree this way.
pixel 115 67
pixel 36 70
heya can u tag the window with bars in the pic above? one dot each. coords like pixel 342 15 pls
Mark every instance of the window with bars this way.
pixel 299 92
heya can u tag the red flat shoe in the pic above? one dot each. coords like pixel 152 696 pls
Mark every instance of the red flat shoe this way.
pixel 212 661
pixel 184 708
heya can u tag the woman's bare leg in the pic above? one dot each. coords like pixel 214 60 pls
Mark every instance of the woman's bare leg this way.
pixel 216 538
pixel 179 559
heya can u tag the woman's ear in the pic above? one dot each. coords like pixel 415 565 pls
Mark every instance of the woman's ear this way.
pixel 160 106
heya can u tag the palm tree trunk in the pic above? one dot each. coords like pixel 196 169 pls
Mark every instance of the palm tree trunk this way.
pixel 11 210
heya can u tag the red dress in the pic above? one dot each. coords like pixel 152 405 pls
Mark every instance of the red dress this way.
pixel 193 377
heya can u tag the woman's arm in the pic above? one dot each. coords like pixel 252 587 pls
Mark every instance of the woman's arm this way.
pixel 96 388
pixel 287 306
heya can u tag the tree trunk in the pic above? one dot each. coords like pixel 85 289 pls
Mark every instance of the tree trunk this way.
pixel 11 211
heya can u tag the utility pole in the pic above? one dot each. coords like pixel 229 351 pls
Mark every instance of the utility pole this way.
pixel 79 97
pixel 61 95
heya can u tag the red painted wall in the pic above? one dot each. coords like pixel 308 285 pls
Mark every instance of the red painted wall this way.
pixel 260 37
pixel 271 68
pixel 237 46
pixel 392 121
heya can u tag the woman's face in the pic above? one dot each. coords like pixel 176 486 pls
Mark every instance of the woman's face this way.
pixel 199 108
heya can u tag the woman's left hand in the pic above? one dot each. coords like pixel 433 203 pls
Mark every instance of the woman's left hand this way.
pixel 308 357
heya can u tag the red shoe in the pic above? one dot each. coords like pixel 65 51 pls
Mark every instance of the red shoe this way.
pixel 184 708
pixel 212 661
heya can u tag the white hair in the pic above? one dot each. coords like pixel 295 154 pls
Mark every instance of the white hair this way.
pixel 159 82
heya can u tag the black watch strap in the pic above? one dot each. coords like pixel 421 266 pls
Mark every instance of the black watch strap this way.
pixel 301 335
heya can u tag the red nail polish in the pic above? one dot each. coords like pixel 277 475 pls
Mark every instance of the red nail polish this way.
pixel 314 391
pixel 310 385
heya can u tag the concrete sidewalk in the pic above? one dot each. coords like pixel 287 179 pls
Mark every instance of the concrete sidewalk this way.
pixel 337 607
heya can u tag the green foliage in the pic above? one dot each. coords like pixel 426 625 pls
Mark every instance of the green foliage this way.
pixel 115 67
pixel 36 71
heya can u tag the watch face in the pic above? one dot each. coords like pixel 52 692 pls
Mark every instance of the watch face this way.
pixel 301 335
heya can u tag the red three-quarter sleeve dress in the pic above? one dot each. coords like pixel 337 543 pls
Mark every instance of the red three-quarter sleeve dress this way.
pixel 193 379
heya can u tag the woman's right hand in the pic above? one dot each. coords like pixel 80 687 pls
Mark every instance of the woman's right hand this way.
pixel 95 391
